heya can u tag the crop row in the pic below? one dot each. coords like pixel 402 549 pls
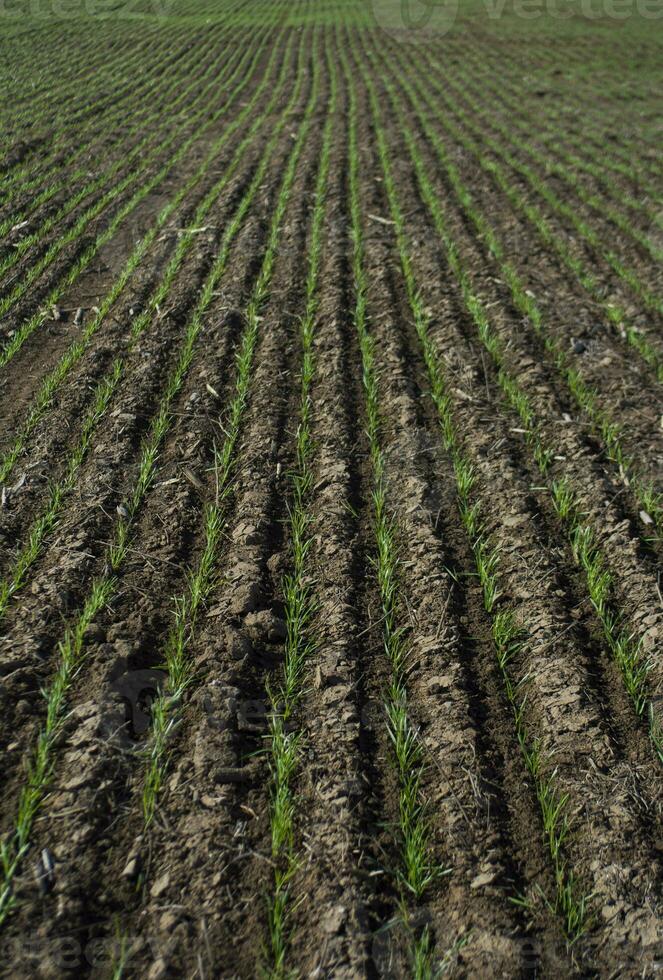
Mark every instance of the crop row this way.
pixel 49 187
pixel 623 642
pixel 71 648
pixel 56 219
pixel 587 399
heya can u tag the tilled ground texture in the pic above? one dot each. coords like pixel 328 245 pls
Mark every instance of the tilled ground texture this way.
pixel 331 463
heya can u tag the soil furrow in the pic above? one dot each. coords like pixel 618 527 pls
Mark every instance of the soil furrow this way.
pixel 54 439
pixel 331 491
pixel 125 788
pixel 467 774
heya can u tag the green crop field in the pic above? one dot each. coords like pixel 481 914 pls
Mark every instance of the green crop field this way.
pixel 331 472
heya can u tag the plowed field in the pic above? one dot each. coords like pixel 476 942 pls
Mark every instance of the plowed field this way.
pixel 331 456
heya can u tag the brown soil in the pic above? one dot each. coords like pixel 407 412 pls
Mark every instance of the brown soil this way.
pixel 190 892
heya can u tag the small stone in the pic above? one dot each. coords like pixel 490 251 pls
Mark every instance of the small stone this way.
pixel 649 933
pixel 158 969
pixel 334 919
pixel 579 347
pixel 514 520
pixel 168 921
pixel 45 871
pixel 76 781
pixel 160 886
pixel 438 684
pixel 209 801
pixel 131 868
pixel 483 879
